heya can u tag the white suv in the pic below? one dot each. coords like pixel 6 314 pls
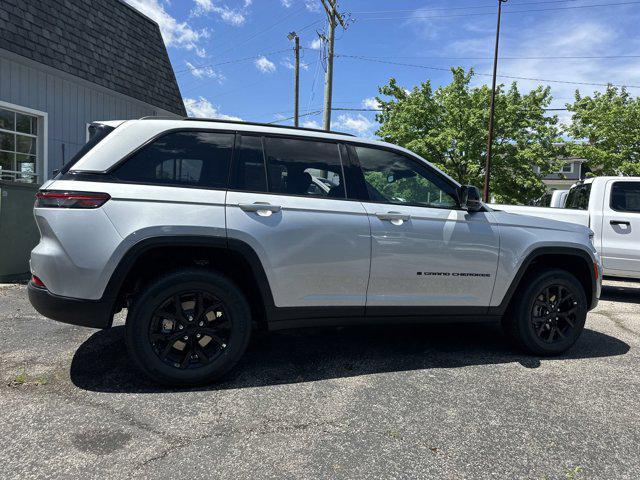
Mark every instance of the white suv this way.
pixel 205 229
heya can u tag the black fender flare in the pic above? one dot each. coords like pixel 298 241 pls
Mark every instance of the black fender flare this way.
pixel 537 253
pixel 128 260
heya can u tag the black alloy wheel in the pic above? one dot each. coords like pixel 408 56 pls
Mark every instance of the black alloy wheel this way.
pixel 554 313
pixel 547 313
pixel 190 329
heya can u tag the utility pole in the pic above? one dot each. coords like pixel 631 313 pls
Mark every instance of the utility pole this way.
pixel 487 168
pixel 296 83
pixel 331 7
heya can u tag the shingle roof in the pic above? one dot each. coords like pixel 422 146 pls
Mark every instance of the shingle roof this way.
pixel 103 41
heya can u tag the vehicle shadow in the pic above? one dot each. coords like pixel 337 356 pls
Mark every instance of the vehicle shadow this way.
pixel 615 293
pixel 305 355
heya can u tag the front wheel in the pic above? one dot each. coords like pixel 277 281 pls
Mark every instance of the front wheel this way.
pixel 189 327
pixel 548 314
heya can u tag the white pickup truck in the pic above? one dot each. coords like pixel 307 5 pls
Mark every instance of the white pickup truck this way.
pixel 610 206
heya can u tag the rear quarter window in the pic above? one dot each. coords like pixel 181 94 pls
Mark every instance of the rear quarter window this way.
pixel 184 158
pixel 578 197
pixel 97 133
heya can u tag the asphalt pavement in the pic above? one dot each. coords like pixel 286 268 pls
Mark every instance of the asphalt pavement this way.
pixel 419 401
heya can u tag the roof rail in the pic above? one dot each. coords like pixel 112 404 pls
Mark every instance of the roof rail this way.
pixel 162 117
pixel 240 122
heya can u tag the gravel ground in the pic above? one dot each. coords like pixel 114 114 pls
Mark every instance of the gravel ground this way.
pixel 423 401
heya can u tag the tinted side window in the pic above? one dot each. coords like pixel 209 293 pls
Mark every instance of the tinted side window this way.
pixel 304 167
pixel 393 178
pixel 578 197
pixel 249 172
pixel 182 159
pixel 625 197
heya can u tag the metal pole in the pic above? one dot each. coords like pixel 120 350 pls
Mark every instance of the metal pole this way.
pixel 297 82
pixel 487 169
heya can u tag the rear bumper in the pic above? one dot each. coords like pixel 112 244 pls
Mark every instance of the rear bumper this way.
pixel 86 313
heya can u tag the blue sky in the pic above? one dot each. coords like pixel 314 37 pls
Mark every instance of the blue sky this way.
pixel 233 59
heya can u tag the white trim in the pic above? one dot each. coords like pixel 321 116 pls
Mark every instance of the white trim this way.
pixel 16 131
pixel 42 146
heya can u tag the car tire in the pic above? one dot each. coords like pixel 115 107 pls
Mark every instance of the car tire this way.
pixel 188 328
pixel 548 314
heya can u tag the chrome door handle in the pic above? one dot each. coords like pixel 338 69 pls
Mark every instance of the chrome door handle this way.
pixel 261 208
pixel 396 218
pixel 392 216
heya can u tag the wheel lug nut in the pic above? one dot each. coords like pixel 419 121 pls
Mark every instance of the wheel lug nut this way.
pixel 180 327
pixel 201 324
pixel 186 337
pixel 190 318
pixel 198 336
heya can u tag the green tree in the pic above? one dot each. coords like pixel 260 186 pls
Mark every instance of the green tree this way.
pixel 448 127
pixel 606 129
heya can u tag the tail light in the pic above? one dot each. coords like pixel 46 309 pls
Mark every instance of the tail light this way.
pixel 59 199
pixel 37 282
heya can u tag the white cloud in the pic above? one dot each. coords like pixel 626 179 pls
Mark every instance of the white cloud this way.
pixel 231 16
pixel 265 65
pixel 371 103
pixel 203 108
pixel 174 33
pixel 565 35
pixel 202 72
pixel 312 5
pixel 288 63
pixel 358 124
pixel 316 44
pixel 310 124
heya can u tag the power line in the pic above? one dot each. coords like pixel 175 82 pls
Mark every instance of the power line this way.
pixel 316 112
pixel 415 17
pixel 237 60
pixel 380 110
pixel 460 8
pixel 236 43
pixel 441 69
pixel 557 57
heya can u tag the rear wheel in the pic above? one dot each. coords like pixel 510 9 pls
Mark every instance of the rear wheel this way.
pixel 548 314
pixel 188 328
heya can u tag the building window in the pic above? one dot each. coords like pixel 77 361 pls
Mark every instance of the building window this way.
pixel 566 168
pixel 18 146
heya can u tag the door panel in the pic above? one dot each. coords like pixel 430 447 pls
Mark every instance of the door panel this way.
pixel 315 251
pixel 425 251
pixel 621 228
pixel 431 257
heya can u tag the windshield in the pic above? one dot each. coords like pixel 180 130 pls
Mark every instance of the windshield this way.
pixel 97 133
pixel 578 197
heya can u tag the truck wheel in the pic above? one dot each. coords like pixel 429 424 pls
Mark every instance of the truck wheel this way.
pixel 548 314
pixel 188 328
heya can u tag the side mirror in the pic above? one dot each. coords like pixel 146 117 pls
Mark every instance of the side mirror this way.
pixel 469 197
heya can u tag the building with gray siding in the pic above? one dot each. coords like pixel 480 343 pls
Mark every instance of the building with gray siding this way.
pixel 64 64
